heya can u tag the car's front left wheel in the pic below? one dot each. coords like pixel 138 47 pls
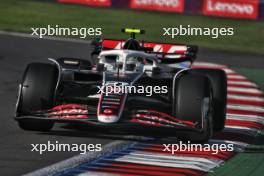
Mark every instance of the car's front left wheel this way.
pixel 193 102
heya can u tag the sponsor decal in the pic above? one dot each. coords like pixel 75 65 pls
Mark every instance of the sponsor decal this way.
pixel 157 47
pixel 159 5
pixel 232 8
pixel 100 3
pixel 68 111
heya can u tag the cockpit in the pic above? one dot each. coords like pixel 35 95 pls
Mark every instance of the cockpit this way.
pixel 126 61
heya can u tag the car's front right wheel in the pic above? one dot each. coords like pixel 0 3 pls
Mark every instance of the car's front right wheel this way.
pixel 37 93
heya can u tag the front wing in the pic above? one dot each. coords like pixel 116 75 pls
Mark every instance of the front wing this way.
pixel 139 119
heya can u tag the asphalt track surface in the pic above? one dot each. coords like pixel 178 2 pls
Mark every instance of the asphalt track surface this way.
pixel 16 157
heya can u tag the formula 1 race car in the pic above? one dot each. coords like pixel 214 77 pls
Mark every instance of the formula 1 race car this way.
pixel 134 85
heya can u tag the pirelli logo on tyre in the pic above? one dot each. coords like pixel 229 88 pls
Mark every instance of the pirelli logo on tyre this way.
pixel 159 5
pixel 99 3
pixel 232 8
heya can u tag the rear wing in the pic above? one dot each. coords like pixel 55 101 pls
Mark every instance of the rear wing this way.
pixel 166 52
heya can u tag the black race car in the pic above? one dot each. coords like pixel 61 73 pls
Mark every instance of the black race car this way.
pixel 134 85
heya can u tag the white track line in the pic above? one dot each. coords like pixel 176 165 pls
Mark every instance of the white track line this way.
pixel 216 162
pixel 246 83
pixel 241 130
pixel 248 98
pixel 236 77
pixel 24 35
pixel 228 71
pixel 245 90
pixel 167 163
pixel 251 118
pixel 246 108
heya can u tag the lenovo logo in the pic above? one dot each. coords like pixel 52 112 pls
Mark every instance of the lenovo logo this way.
pixel 100 3
pixel 159 5
pixel 168 3
pixel 231 8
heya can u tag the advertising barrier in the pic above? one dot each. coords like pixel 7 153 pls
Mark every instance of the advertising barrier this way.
pixel 242 9
pixel 98 3
pixel 159 5
pixel 232 8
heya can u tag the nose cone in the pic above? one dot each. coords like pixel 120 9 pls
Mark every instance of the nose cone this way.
pixel 107 118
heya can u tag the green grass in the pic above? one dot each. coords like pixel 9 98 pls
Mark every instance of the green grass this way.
pixel 21 15
pixel 255 75
pixel 250 162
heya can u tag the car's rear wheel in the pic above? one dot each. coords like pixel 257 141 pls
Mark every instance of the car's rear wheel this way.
pixel 37 93
pixel 193 99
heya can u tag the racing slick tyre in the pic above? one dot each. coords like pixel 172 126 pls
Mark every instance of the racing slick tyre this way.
pixel 219 85
pixel 37 93
pixel 193 101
